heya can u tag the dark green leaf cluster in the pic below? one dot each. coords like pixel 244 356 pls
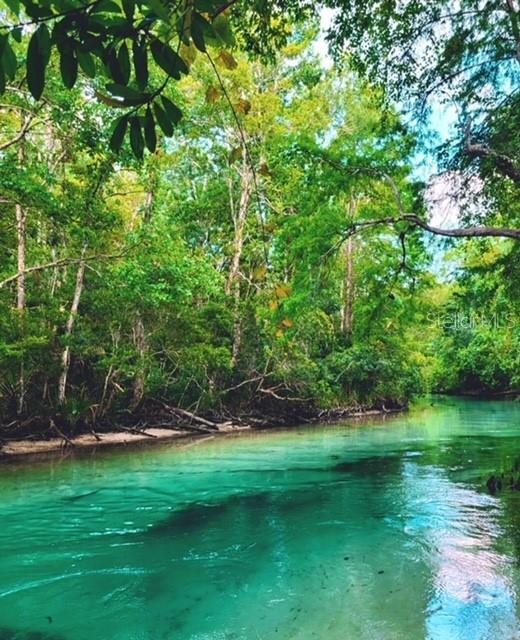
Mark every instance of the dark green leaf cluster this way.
pixel 114 44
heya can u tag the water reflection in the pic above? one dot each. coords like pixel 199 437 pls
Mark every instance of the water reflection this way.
pixel 472 594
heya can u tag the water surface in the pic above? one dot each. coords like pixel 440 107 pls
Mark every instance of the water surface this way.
pixel 368 532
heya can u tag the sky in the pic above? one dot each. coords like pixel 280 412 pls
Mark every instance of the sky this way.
pixel 443 117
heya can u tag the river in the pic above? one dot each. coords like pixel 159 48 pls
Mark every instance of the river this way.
pixel 380 531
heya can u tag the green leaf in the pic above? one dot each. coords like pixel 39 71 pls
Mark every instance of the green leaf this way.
pixel 136 137
pixel 200 27
pixel 113 66
pixel 159 9
pixel 172 111
pixel 129 8
pixel 106 6
pixel 130 95
pixel 207 6
pixel 9 61
pixel 197 35
pixel 2 81
pixel 68 67
pixel 38 54
pixel 140 64
pixel 118 133
pixel 87 63
pixel 168 59
pixel 17 33
pixel 123 59
pixel 14 5
pixel 163 120
pixel 222 30
pixel 150 136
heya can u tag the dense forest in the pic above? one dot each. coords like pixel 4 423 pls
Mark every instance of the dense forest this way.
pixel 200 213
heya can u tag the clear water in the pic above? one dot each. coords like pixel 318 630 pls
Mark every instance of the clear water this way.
pixel 381 531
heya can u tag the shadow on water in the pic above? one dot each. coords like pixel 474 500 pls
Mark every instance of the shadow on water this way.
pixel 15 634
pixel 198 516
pixel 371 467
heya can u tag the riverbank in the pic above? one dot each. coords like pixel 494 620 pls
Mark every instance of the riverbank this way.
pixel 125 437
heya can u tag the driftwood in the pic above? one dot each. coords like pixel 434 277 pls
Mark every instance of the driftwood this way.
pixel 53 427
pixel 135 430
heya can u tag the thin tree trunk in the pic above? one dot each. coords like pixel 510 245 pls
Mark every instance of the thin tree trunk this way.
pixel 347 320
pixel 233 281
pixel 347 316
pixel 141 343
pixel 65 358
pixel 139 331
pixel 21 223
pixel 240 223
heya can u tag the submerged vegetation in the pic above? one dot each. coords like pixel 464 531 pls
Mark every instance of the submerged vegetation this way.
pixel 253 237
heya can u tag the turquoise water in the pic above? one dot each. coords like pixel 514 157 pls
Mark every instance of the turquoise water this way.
pixel 381 531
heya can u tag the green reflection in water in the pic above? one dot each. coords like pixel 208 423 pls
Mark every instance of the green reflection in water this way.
pixel 381 531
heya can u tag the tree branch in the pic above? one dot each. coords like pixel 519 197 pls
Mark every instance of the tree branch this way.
pixel 25 128
pixel 58 263
pixel 468 232
pixel 464 232
pixel 502 163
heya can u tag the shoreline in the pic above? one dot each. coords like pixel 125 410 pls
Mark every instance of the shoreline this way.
pixel 26 449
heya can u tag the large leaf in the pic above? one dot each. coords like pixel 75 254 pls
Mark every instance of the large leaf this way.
pixel 130 95
pixel 159 8
pixel 150 136
pixel 136 137
pixel 172 111
pixel 118 133
pixel 68 67
pixel 123 59
pixel 87 63
pixel 128 8
pixel 140 58
pixel 14 5
pixel 113 66
pixel 163 120
pixel 38 54
pixel 168 59
pixel 8 59
pixel 198 29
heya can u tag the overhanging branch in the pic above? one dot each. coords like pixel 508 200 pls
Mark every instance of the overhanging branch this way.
pixel 464 232
pixel 461 232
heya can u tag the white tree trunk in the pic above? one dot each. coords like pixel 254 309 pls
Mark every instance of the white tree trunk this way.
pixel 65 358
pixel 347 316
pixel 20 294
pixel 233 281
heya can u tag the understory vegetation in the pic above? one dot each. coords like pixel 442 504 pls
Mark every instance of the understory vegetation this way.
pixel 271 258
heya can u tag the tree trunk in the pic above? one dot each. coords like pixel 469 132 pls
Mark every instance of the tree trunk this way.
pixel 139 331
pixel 347 316
pixel 347 319
pixel 240 223
pixel 141 343
pixel 233 281
pixel 21 222
pixel 65 359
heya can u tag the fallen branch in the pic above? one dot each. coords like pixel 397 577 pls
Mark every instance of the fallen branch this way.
pixel 194 417
pixel 53 426
pixel 136 431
